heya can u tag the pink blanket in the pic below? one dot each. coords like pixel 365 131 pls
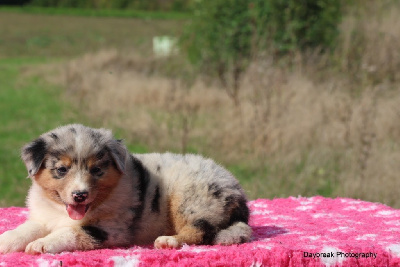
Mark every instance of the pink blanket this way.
pixel 313 231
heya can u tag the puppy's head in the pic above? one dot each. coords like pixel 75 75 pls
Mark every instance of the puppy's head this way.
pixel 76 166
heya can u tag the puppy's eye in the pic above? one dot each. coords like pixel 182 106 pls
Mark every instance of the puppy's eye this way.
pixel 96 171
pixel 62 171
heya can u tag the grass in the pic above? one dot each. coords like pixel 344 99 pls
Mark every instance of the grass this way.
pixel 53 37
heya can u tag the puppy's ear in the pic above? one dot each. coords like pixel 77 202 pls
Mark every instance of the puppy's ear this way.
pixel 33 155
pixel 118 152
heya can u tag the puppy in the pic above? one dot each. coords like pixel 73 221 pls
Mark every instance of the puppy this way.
pixel 89 192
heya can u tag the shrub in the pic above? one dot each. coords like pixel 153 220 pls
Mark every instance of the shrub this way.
pixel 297 24
pixel 218 40
pixel 225 34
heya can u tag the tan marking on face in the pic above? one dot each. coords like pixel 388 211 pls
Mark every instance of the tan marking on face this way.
pixel 91 162
pixel 50 186
pixel 65 161
pixel 106 183
pixel 54 188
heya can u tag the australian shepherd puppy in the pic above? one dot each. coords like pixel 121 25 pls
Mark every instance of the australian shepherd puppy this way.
pixel 89 192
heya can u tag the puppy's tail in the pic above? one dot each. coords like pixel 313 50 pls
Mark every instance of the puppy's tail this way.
pixel 237 233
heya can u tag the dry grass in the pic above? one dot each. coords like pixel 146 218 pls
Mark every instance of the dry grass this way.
pixel 301 131
pixel 370 35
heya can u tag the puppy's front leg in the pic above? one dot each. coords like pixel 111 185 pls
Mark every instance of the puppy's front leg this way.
pixel 17 239
pixel 68 239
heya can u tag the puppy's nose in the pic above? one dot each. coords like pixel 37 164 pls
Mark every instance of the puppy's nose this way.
pixel 80 196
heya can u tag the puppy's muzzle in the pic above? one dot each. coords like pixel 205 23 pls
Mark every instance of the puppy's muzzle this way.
pixel 80 196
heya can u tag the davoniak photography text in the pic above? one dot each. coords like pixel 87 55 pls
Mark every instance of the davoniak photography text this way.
pixel 339 254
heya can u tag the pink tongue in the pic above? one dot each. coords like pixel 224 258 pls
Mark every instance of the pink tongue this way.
pixel 76 212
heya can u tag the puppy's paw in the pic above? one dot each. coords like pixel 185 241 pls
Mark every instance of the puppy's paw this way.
pixel 42 245
pixel 36 247
pixel 166 242
pixel 11 242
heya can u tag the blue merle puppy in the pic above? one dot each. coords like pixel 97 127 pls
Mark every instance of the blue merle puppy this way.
pixel 89 192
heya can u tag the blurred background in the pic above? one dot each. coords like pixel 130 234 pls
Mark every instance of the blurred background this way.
pixel 293 97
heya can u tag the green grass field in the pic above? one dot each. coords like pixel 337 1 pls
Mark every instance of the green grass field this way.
pixel 64 36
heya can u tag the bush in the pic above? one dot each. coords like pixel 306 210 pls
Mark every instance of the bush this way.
pixel 218 40
pixel 225 34
pixel 232 30
pixel 298 24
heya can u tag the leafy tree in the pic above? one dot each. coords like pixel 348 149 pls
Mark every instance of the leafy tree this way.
pixel 219 41
pixel 298 24
pixel 225 34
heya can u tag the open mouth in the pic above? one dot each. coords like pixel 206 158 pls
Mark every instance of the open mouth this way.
pixel 77 212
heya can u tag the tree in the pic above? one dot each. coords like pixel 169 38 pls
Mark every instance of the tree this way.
pixel 219 41
pixel 225 34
